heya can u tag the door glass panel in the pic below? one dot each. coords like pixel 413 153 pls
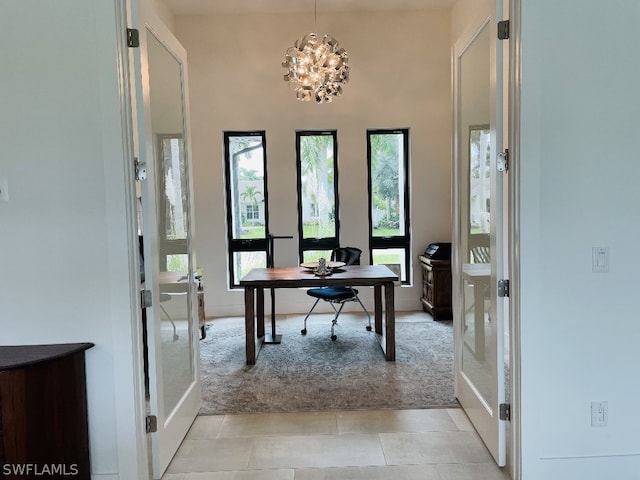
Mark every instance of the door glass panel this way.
pixel 478 329
pixel 167 123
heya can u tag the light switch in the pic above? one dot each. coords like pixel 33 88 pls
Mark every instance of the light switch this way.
pixel 600 259
pixel 4 190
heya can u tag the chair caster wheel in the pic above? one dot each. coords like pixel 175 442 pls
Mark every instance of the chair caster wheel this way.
pixel 303 331
pixel 368 328
pixel 334 338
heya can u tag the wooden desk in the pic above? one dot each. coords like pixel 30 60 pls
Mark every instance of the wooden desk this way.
pixel 377 276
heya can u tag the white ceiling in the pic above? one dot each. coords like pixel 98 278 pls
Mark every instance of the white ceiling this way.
pixel 198 7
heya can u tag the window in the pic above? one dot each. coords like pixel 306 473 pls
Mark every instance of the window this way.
pixel 252 212
pixel 317 174
pixel 247 212
pixel 172 203
pixel 388 171
pixel 479 179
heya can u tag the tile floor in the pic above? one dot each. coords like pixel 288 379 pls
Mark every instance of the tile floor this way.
pixel 434 444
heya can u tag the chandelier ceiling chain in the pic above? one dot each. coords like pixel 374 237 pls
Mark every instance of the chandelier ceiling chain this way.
pixel 316 68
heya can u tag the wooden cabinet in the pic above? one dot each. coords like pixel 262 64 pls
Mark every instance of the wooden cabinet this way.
pixel 436 287
pixel 43 411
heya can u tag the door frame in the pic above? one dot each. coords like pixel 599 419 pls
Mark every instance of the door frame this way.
pixel 514 439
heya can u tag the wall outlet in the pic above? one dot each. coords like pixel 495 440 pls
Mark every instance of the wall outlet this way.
pixel 599 414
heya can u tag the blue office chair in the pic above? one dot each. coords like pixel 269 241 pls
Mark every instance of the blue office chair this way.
pixel 338 295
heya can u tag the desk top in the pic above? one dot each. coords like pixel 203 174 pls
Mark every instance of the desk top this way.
pixel 295 277
pixel 476 269
pixel 20 356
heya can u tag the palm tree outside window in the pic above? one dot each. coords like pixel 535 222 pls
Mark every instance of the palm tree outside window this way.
pixel 389 216
pixel 317 177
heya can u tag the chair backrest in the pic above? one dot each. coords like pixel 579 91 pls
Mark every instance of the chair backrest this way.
pixel 348 255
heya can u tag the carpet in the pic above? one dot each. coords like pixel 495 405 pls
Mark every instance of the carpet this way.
pixel 313 373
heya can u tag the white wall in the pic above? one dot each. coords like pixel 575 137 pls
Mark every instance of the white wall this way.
pixel 400 77
pixel 579 174
pixel 64 263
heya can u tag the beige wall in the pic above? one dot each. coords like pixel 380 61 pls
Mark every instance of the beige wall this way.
pixel 400 77
pixel 463 14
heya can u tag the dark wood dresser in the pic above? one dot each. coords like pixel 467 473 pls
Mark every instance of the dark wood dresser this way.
pixel 43 411
pixel 436 287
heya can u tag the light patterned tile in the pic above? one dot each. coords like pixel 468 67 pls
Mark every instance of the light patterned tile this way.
pixel 389 421
pixel 476 471
pixel 205 426
pixel 460 418
pixel 279 424
pixel 394 472
pixel 433 447
pixel 316 451
pixel 241 475
pixel 204 455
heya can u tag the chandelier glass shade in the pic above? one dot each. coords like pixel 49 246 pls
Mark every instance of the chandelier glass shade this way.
pixel 316 68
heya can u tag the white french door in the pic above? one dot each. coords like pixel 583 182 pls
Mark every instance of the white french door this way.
pixel 478 264
pixel 166 199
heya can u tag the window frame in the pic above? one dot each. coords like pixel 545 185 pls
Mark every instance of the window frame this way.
pixel 324 243
pixel 235 245
pixel 396 241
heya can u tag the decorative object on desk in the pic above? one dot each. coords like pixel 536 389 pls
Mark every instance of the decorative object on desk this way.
pixel 330 264
pixel 316 68
pixel 309 373
pixel 322 269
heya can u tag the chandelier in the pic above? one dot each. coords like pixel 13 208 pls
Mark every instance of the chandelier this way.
pixel 316 68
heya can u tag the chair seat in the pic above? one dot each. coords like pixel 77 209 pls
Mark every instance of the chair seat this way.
pixel 332 293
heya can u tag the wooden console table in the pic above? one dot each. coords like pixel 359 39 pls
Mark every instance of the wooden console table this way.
pixel 43 410
pixel 377 276
pixel 436 287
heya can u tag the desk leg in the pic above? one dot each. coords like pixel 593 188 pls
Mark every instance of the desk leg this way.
pixel 377 302
pixel 390 321
pixel 250 325
pixel 260 311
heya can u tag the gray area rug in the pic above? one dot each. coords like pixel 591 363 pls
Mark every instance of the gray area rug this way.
pixel 312 373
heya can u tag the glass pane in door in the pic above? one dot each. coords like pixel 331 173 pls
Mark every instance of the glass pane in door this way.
pixel 475 221
pixel 167 121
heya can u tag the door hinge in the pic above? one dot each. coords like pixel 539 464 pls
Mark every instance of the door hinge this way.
pixel 505 411
pixel 503 30
pixel 141 170
pixel 503 288
pixel 133 38
pixel 146 298
pixel 151 423
pixel 502 161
